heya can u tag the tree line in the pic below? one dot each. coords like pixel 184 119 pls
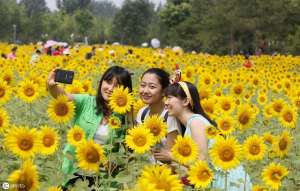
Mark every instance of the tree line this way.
pixel 214 26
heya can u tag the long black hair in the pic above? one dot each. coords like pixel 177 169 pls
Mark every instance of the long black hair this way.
pixel 163 76
pixel 177 91
pixel 123 78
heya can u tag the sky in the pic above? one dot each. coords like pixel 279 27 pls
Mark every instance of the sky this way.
pixel 52 3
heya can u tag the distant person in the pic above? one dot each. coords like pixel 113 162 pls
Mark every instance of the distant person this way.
pixel 12 55
pixel 89 55
pixel 247 63
pixel 3 56
pixel 35 57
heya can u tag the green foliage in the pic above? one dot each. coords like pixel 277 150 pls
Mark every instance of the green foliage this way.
pixel 130 24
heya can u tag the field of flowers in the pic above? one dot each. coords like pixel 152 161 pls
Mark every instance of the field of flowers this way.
pixel 256 109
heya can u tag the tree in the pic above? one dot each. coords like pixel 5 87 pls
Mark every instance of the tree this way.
pixel 34 7
pixel 71 6
pixel 84 20
pixel 130 24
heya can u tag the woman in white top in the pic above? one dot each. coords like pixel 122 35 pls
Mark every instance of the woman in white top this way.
pixel 152 86
pixel 183 102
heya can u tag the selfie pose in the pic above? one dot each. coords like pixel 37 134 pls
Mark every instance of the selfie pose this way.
pixel 91 113
pixel 152 86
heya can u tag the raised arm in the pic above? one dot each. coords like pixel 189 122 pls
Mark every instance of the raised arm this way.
pixel 54 89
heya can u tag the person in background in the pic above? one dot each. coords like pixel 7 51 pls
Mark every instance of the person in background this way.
pixel 12 55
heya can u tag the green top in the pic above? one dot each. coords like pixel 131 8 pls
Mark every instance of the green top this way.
pixel 88 120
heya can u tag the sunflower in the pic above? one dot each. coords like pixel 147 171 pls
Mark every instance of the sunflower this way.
pixel 54 188
pixel 296 101
pixel 121 100
pixel 75 88
pixel 226 124
pixel 114 122
pixel 278 105
pixel 90 155
pixel 158 178
pixel 5 92
pixel 139 139
pixel 50 140
pixel 283 144
pixel 259 188
pixel 185 150
pixel 4 120
pixel 28 91
pixel 245 116
pixel 226 153
pixel 268 111
pixel 208 106
pixel 139 104
pixel 26 177
pixel 288 117
pixel 75 136
pixel 156 126
pixel 268 137
pixel 226 104
pixel 22 141
pixel 237 89
pixel 262 99
pixel 212 131
pixel 273 174
pixel 8 76
pixel 60 109
pixel 254 148
pixel 200 174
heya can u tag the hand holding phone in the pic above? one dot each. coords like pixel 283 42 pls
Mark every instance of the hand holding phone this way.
pixel 64 76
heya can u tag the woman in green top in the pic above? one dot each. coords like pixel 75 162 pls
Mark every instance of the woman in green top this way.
pixel 91 113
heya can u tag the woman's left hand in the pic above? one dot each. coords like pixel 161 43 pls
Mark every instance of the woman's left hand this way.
pixel 162 155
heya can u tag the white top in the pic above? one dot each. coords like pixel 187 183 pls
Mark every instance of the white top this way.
pixel 102 134
pixel 172 123
pixel 188 131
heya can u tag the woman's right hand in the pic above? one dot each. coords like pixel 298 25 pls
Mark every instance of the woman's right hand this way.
pixel 51 78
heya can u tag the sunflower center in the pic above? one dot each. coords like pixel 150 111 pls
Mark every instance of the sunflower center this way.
pixel 225 125
pixel 7 79
pixel 2 92
pixel 203 175
pixel 282 144
pixel 48 140
pixel 140 141
pixel 114 122
pixel 209 109
pixel 77 136
pixel 226 154
pixel 262 99
pixel 163 185
pixel 207 81
pixel 1 121
pixel 288 117
pixel 121 101
pixel 92 155
pixel 189 74
pixel 26 181
pixel 226 106
pixel 211 131
pixel 254 149
pixel 29 92
pixel 298 103
pixel 185 150
pixel 276 176
pixel 155 130
pixel 86 88
pixel 238 90
pixel 277 108
pixel 25 144
pixel 61 109
pixel 244 118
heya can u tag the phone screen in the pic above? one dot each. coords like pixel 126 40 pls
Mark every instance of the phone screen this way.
pixel 64 76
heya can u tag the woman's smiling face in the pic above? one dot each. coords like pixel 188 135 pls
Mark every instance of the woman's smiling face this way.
pixel 150 89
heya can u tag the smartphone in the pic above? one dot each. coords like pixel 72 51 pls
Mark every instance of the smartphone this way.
pixel 64 76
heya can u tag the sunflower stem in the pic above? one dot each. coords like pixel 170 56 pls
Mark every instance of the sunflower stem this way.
pixel 245 181
pixel 226 181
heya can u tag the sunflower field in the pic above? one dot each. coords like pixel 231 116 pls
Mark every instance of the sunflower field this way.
pixel 256 110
